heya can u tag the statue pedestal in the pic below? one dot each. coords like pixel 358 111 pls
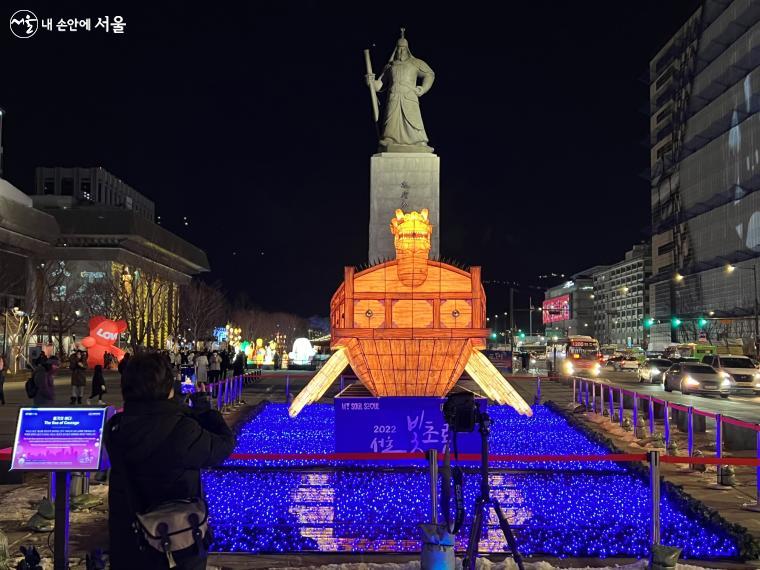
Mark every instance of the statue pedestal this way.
pixel 405 180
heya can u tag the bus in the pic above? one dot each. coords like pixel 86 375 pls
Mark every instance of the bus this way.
pixel 576 355
pixel 689 350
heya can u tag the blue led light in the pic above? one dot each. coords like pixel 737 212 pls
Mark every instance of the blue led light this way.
pixel 579 509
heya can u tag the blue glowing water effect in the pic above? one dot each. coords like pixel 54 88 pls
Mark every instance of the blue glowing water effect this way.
pixel 566 509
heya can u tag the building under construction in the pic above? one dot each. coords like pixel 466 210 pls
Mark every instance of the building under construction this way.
pixel 705 174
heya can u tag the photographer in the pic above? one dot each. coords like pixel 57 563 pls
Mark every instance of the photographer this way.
pixel 157 448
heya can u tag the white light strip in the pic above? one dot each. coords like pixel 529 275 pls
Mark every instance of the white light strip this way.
pixel 322 380
pixel 495 386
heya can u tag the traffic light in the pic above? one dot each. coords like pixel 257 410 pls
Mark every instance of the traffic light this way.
pixel 648 322
pixel 702 322
pixel 522 336
pixel 676 322
pixel 493 335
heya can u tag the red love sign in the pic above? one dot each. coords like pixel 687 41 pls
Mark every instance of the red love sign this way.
pixel 103 333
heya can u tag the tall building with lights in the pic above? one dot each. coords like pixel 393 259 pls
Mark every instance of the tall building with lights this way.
pixel 109 247
pixel 705 173
pixel 568 308
pixel 621 298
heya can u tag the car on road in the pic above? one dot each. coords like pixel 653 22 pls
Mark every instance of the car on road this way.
pixel 741 369
pixel 651 370
pixel 697 378
pixel 612 361
pixel 627 362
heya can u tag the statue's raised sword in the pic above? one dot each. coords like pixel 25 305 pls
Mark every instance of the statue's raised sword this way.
pixel 371 84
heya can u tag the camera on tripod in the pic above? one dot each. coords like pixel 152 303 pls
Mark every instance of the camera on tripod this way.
pixel 461 412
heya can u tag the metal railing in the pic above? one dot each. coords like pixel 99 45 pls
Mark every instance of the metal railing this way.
pixel 591 393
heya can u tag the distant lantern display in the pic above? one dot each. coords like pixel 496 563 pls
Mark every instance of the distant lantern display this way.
pixel 411 326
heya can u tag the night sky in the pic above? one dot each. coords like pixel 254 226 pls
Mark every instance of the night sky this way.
pixel 254 121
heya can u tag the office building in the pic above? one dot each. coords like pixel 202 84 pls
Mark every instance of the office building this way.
pixel 568 308
pixel 705 173
pixel 621 297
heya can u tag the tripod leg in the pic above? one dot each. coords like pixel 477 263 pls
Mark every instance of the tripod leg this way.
pixel 472 544
pixel 505 528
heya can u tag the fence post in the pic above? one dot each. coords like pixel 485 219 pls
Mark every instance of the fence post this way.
pixel 341 382
pixel 719 441
pixel 622 406
pixel 651 415
pixel 218 397
pixel 601 398
pixel 287 388
pixel 635 418
pixel 666 414
pixel 690 420
pixel 585 382
pixel 575 394
pixel 756 505
pixel 537 399
pixel 654 483
pixel 612 403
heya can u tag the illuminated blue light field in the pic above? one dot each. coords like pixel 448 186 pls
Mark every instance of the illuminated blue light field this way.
pixel 567 509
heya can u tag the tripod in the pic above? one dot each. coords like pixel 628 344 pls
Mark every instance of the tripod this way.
pixel 484 502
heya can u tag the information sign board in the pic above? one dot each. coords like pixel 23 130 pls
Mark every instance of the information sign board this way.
pixel 396 425
pixel 59 439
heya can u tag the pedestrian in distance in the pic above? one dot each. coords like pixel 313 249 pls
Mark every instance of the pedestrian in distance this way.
pixel 238 365
pixel 98 385
pixel 123 364
pixel 225 363
pixel 78 376
pixel 2 378
pixel 214 366
pixel 43 380
pixel 201 368
pixel 158 447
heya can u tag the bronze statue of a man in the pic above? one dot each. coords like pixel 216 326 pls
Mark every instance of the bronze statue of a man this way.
pixel 402 129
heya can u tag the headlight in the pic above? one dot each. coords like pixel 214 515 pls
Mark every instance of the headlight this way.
pixel 689 381
pixel 726 382
pixel 654 371
pixel 725 375
pixel 756 376
pixel 596 369
pixel 569 368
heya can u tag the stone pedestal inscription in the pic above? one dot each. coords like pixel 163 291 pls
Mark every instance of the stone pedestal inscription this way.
pixel 409 181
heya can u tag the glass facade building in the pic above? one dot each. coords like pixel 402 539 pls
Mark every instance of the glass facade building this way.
pixel 705 173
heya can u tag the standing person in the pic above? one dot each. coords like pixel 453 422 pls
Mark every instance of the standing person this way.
pixel 224 364
pixel 78 377
pixel 156 430
pixel 44 381
pixel 2 378
pixel 123 364
pixel 238 365
pixel 201 368
pixel 215 366
pixel 98 385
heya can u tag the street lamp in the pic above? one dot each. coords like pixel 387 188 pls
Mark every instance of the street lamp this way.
pixel 678 277
pixel 730 269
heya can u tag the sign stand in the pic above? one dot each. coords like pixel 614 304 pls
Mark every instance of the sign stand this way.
pixel 60 441
pixel 61 536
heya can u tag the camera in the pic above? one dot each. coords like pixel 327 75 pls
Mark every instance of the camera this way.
pixel 461 412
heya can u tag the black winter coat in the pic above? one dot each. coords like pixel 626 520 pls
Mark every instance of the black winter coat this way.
pixel 162 446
